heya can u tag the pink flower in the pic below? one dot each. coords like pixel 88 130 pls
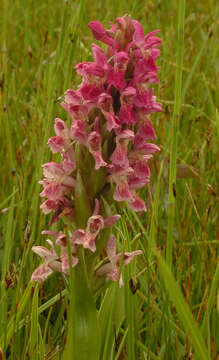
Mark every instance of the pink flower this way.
pixel 75 105
pixel 121 60
pixel 41 273
pixel 127 113
pixel 144 42
pixel 145 73
pixel 119 176
pixel 137 204
pixel 57 180
pixel 140 167
pixel 122 192
pixel 85 238
pixel 99 57
pixel 65 263
pixel 61 240
pixel 119 156
pixel 101 34
pixel 79 131
pixel 50 262
pixel 124 31
pixel 111 268
pixel 89 71
pixel 91 92
pixel 146 131
pixel 60 206
pixel 117 79
pixel 95 224
pixel 105 103
pixel 147 102
pixel 94 145
pixel 62 140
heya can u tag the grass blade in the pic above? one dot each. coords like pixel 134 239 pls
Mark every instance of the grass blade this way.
pixel 34 326
pixel 184 312
pixel 174 131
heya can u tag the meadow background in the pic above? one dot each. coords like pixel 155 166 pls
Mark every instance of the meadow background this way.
pixel 41 41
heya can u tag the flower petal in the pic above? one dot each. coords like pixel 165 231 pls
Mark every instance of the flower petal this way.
pixel 41 273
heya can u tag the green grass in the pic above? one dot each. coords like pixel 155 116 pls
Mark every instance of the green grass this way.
pixel 173 313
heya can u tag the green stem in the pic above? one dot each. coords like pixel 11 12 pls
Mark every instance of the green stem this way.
pixel 83 341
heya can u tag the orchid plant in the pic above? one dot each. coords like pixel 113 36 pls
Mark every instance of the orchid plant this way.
pixel 104 155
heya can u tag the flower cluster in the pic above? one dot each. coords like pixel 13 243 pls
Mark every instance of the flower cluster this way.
pixel 110 112
pixel 60 262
